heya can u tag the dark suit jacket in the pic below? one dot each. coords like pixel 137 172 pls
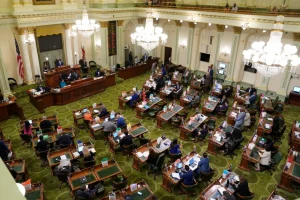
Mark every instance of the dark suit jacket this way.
pixel 42 145
pixel 243 189
pixel 45 124
pixel 126 140
pixel 103 112
pixel 65 139
pixel 188 178
pixel 3 151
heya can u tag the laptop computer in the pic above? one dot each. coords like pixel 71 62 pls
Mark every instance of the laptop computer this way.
pixel 115 134
pixel 191 161
pixel 179 165
pixel 84 110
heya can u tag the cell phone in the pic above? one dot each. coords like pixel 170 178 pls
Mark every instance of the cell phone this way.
pixel 139 193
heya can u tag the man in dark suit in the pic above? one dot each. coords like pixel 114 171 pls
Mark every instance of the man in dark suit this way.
pixel 87 193
pixel 188 176
pixel 45 123
pixel 103 111
pixel 84 66
pixel 126 140
pixel 130 58
pixel 252 98
pixel 4 151
pixel 134 97
pixel 73 76
pixel 42 144
pixel 251 90
pixel 65 139
pixel 59 63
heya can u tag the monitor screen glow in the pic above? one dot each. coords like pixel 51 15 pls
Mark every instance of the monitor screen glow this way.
pixel 222 65
pixel 296 89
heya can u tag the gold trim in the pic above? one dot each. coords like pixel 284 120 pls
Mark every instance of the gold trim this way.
pixel 296 37
pixel 192 24
pixel 178 23
pixel 67 26
pixel 103 24
pixel 21 31
pixel 43 2
pixel 220 27
pixel 120 22
pixel 140 20
pixel 237 30
pixel 31 30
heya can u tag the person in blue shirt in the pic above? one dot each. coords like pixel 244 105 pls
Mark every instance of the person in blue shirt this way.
pixel 252 98
pixel 188 177
pixel 239 120
pixel 121 121
pixel 175 148
pixel 62 83
pixel 203 164
pixel 4 151
pixel 134 97
pixel 163 70
pixel 103 111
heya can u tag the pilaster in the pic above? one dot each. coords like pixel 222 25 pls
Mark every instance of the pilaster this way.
pixel 120 42
pixel 34 53
pixel 190 43
pixel 4 86
pixel 68 44
pixel 104 59
pixel 219 37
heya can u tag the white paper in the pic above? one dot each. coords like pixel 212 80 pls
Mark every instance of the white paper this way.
pixel 93 150
pixel 63 157
pixel 122 135
pixel 139 154
pixel 76 154
pixel 175 175
pixel 270 119
pixel 146 154
pixel 96 111
pixel 77 113
pixel 128 98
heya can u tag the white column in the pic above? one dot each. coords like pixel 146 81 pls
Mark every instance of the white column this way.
pixel 76 50
pixel 4 86
pixel 190 44
pixel 98 44
pixel 68 45
pixel 219 36
pixel 120 42
pixel 175 54
pixel 25 56
pixel 35 59
pixel 104 45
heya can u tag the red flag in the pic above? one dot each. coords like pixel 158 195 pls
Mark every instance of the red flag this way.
pixel 20 62
pixel 83 52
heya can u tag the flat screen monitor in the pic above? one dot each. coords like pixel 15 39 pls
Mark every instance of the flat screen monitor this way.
pixel 221 71
pixel 296 89
pixel 222 65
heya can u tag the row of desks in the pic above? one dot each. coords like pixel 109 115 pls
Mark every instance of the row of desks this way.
pixel 79 89
pixel 10 108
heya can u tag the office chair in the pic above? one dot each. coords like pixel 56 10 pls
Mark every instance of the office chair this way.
pixel 207 176
pixel 128 149
pixel 231 149
pixel 276 135
pixel 86 124
pixel 63 178
pixel 47 130
pixel 43 156
pixel 188 189
pixel 211 123
pixel 173 157
pixel 157 169
pixel 239 197
pixel 12 83
pixel 90 163
pixel 120 183
pixel 26 139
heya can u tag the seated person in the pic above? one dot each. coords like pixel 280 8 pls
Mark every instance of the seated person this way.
pixel 126 140
pixel 40 88
pixel 228 142
pixel 4 151
pixel 87 154
pixel 73 76
pixel 196 99
pixel 136 60
pixel 239 119
pixel 88 116
pixel 120 121
pixel 201 134
pixel 188 176
pixel 242 188
pixel 64 139
pixel 222 105
pixel 159 84
pixel 203 164
pixel 186 74
pixel 252 98
pixel 152 85
pixel 59 63
pixel 103 111
pixel 247 120
pixel 270 145
pixel 45 123
pixel 64 168
pixel 237 134
pixel 83 65
pixel 109 126
pixel 251 90
pixel 227 91
pixel 62 83
pixel 42 145
pixel 152 158
pixel 86 192
pixel 133 99
pixel 163 70
pixel 175 148
pixel 227 196
pixel 203 81
pixel 265 159
pixel 98 73
pixel 27 128
pixel 178 89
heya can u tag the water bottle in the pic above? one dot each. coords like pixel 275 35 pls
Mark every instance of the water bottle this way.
pixel 254 138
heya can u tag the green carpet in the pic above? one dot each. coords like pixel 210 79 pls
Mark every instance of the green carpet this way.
pixel 261 183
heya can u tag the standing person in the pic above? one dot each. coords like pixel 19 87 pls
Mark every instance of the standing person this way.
pixel 153 68
pixel 130 58
pixel 239 120
pixel 211 73
pixel 27 128
pixel 42 144
pixel 4 151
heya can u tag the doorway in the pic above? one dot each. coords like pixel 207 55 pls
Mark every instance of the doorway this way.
pixel 168 54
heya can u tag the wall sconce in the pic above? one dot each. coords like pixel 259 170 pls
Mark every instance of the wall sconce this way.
pixel 75 53
pixel 183 44
pixel 29 41
pixel 98 44
pixel 209 24
pixel 73 34
pixel 46 58
pixel 226 26
pixel 245 25
pixel 225 52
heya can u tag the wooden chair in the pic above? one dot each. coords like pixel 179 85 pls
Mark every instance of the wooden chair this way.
pixel 239 197
pixel 128 149
pixel 188 189
pixel 89 163
pixel 120 183
pixel 211 123
pixel 43 156
pixel 207 176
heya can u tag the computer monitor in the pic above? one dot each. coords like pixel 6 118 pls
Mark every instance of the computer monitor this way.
pixel 221 71
pixel 296 89
pixel 191 161
pixel 222 65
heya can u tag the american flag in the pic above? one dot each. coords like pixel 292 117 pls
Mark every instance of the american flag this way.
pixel 20 62
pixel 83 52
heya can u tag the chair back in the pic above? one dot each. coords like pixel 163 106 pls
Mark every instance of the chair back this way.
pixel 43 154
pixel 129 148
pixel 86 123
pixel 174 156
pixel 207 176
pixel 160 161
pixel 120 183
pixel 245 197
pixel 62 177
pixel 189 188
pixel 277 157
pixel 47 130
pixel 89 163
pixel 26 138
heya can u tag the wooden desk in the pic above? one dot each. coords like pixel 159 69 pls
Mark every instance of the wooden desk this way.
pixel 267 105
pixel 54 157
pixel 78 115
pixel 142 109
pixel 233 113
pixel 36 192
pixel 53 77
pixel 76 91
pixel 123 99
pixel 166 91
pixel 137 70
pixel 216 91
pixel 139 161
pixel 289 174
pixel 168 180
pixel 186 128
pixel 294 140
pixel 274 196
pixel 195 84
pixel 213 142
pixel 137 130
pixel 176 78
pixel 103 173
pixel 184 100
pixel 210 106
pixel 142 187
pixel 19 166
pixel 76 183
pixel 36 123
pixel 241 99
pixel 166 116
pixel 10 108
pixel 261 127
pixel 247 154
pixel 294 99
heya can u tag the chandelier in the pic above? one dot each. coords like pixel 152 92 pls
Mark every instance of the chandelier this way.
pixel 86 27
pixel 272 58
pixel 148 37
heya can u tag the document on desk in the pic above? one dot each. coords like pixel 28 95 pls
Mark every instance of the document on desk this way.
pixel 76 154
pixel 128 98
pixel 63 157
pixel 139 154
pixel 146 154
pixel 93 150
pixel 176 175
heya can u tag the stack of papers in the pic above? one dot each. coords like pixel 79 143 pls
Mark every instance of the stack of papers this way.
pixel 145 154
pixel 77 113
pixel 76 154
pixel 175 175
pixel 128 98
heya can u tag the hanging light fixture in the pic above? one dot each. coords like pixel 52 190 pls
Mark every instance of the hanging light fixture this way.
pixel 148 37
pixel 272 58
pixel 86 27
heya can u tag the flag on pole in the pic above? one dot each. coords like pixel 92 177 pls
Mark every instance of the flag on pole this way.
pixel 19 60
pixel 83 52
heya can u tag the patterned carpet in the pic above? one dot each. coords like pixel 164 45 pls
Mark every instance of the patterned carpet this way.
pixel 261 183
